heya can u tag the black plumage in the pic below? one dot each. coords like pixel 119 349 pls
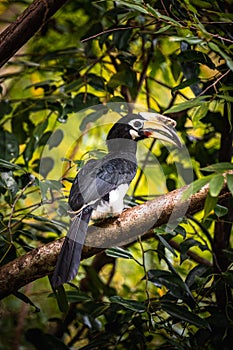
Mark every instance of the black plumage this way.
pixel 100 186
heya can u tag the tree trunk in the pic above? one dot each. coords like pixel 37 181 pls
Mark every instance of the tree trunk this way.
pixel 25 26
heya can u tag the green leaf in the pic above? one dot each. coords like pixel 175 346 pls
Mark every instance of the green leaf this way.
pixel 25 299
pixel 99 309
pixel 126 77
pixel 44 138
pixel 96 285
pixel 48 185
pixel 168 262
pixel 217 49
pixel 44 189
pixel 98 83
pixel 195 56
pixel 196 274
pixel 42 84
pixel 196 186
pixel 52 224
pixel 136 5
pixel 29 150
pixel 74 85
pixel 180 230
pixel 218 167
pixel 116 252
pixel 228 276
pixel 202 4
pixel 121 39
pixel 62 301
pixel 5 108
pixel 48 227
pixel 229 178
pixel 158 15
pixel 9 165
pixel 84 100
pixel 166 244
pixel 192 40
pixel 183 314
pixel 163 29
pixel 209 205
pixel 128 304
pixel 21 124
pixel 185 84
pixel 187 244
pixel 216 184
pixel 199 113
pixel 229 254
pixel 195 102
pixel 40 128
pixel 226 97
pixel 172 282
pixel 8 145
pixel 220 210
pixel 54 185
pixel 77 296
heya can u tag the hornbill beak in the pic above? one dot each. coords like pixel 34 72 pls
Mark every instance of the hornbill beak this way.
pixel 160 127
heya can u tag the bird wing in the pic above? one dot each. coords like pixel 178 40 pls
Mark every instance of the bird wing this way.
pixel 98 178
pixel 93 182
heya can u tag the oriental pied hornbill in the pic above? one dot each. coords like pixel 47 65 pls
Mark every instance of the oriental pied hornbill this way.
pixel 100 186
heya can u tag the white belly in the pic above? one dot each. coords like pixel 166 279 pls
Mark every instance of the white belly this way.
pixel 115 205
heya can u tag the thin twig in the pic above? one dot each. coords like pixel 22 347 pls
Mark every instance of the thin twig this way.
pixel 106 32
pixel 215 82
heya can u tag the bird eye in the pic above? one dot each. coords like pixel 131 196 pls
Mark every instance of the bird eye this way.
pixel 137 124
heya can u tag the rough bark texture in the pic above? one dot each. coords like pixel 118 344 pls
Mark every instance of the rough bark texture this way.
pixel 127 227
pixel 25 26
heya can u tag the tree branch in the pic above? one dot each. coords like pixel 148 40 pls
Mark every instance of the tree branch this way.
pixel 115 231
pixel 25 26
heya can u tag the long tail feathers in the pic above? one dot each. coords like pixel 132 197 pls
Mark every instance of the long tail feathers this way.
pixel 70 255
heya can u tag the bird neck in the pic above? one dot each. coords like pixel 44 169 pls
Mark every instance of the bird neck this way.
pixel 122 145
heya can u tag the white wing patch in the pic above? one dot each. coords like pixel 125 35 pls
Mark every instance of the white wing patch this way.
pixel 115 205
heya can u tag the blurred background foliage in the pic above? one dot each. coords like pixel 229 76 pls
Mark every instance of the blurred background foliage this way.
pixel 86 67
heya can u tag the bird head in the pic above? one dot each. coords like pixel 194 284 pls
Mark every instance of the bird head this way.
pixel 144 125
